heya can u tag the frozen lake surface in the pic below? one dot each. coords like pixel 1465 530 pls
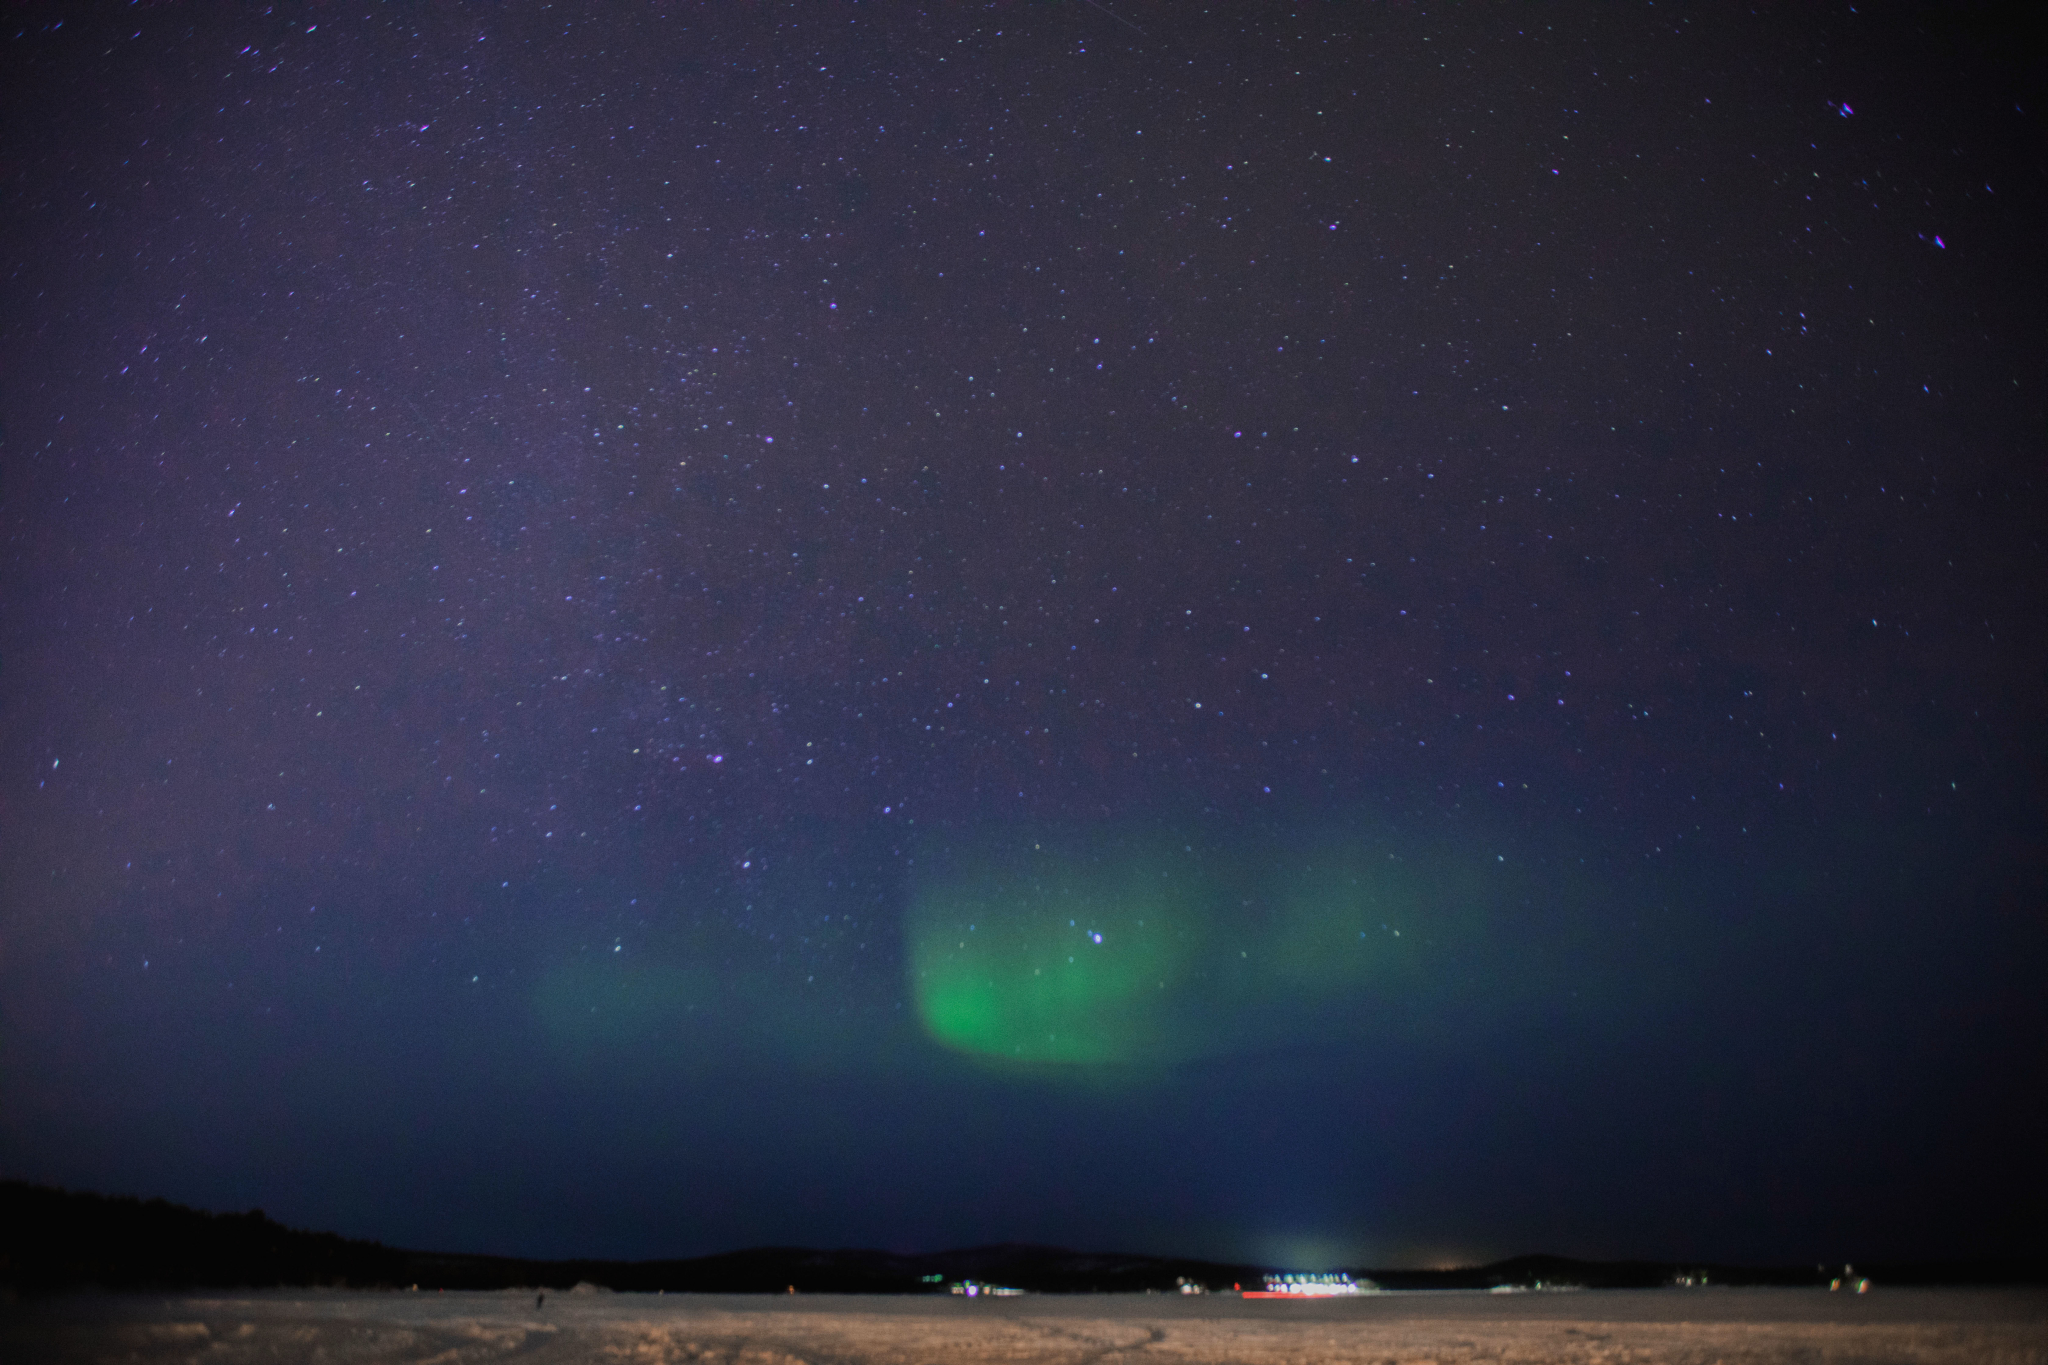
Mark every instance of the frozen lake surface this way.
pixel 1735 1326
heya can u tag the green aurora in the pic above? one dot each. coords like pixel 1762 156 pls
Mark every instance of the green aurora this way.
pixel 1050 953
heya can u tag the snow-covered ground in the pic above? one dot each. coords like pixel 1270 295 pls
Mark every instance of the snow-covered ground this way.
pixel 1738 1326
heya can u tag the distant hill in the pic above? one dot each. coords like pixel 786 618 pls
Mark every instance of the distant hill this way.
pixel 56 1239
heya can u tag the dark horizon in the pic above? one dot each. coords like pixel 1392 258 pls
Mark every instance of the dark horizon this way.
pixel 59 1240
pixel 1345 636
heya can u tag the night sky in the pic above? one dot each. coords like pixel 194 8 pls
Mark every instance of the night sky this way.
pixel 1349 633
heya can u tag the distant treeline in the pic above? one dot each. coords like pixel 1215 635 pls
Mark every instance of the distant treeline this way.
pixel 56 1239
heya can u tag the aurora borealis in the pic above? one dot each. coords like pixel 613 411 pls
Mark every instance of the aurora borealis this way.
pixel 1062 952
pixel 1332 634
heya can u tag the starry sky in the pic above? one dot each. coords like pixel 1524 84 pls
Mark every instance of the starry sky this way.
pixel 1336 633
